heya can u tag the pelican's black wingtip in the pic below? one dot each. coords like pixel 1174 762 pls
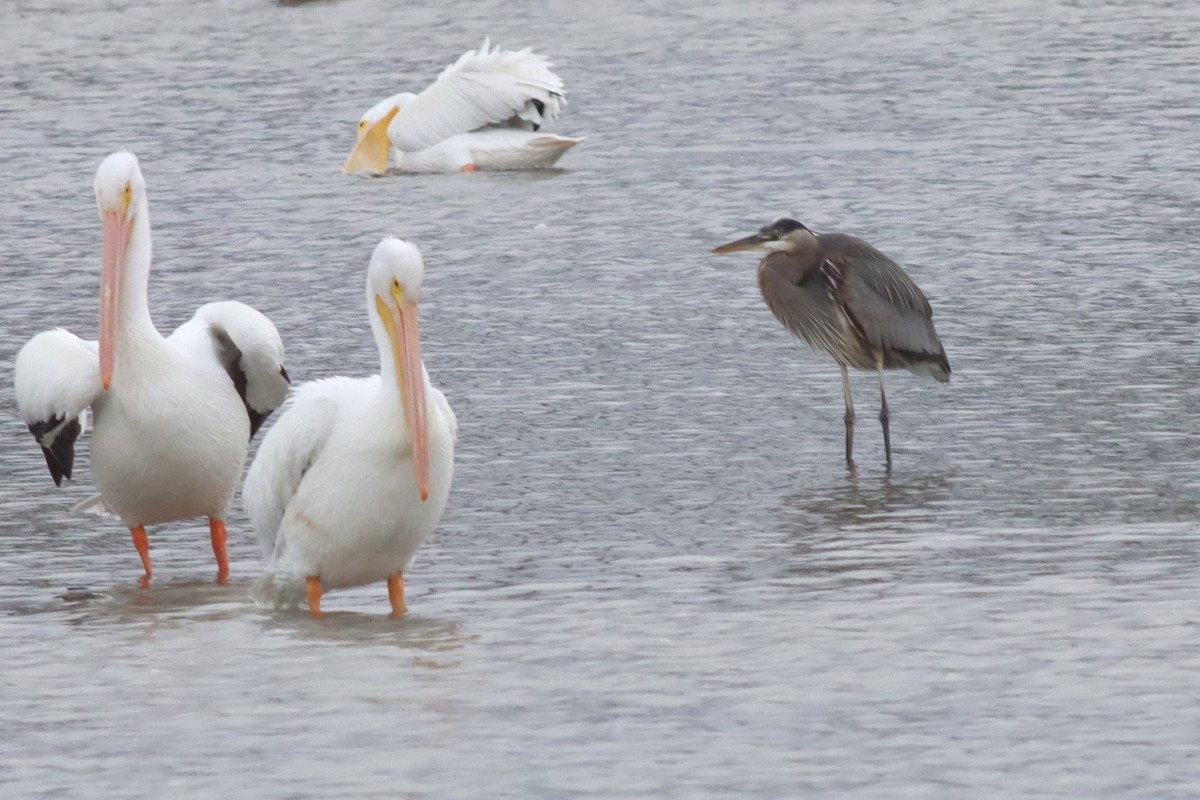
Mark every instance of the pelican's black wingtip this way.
pixel 60 454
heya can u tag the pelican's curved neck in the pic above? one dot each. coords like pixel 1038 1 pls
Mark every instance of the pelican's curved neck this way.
pixel 389 385
pixel 388 388
pixel 135 305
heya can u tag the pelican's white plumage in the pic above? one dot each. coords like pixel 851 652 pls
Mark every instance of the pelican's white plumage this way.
pixel 335 492
pixel 57 378
pixel 173 416
pixel 482 112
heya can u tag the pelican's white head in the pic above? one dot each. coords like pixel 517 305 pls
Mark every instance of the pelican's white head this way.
pixel 393 291
pixel 121 196
pixel 119 184
pixel 384 109
pixel 396 262
pixel 372 148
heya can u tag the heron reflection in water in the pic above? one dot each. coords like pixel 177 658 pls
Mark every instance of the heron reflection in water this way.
pixel 843 296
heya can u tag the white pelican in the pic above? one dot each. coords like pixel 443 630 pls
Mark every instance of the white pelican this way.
pixel 173 416
pixel 356 472
pixel 483 112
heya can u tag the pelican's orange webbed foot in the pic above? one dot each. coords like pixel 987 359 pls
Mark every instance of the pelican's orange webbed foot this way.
pixel 395 585
pixel 313 584
pixel 143 547
pixel 469 168
pixel 216 529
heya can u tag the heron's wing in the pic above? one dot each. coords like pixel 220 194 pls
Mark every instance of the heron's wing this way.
pixel 890 311
pixel 802 299
pixel 484 87
pixel 57 377
pixel 286 453
pixel 247 346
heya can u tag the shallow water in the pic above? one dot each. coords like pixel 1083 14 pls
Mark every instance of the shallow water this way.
pixel 655 576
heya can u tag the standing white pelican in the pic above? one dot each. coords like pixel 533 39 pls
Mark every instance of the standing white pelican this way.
pixel 483 112
pixel 173 416
pixel 356 472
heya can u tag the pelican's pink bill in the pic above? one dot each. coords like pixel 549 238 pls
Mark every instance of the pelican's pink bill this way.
pixel 400 321
pixel 413 391
pixel 116 242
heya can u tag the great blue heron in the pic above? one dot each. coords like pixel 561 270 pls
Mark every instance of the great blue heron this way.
pixel 843 296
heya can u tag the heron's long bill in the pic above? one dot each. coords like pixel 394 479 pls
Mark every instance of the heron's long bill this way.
pixel 753 242
pixel 116 241
pixel 370 154
pixel 400 320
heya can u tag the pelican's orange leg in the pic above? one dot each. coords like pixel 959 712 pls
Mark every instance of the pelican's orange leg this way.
pixel 313 584
pixel 469 168
pixel 216 528
pixel 143 547
pixel 396 595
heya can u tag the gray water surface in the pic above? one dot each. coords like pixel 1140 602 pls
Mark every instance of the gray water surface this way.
pixel 656 576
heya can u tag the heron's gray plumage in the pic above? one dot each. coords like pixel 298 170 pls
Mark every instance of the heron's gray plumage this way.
pixel 799 295
pixel 892 317
pixel 844 297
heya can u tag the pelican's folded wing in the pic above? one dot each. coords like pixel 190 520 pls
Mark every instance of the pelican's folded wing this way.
pixel 484 87
pixel 57 377
pixel 249 348
pixel 286 453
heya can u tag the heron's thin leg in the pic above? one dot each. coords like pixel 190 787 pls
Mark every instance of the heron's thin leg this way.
pixel 883 416
pixel 849 413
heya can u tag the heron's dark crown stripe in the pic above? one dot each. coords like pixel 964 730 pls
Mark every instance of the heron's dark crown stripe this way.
pixel 783 226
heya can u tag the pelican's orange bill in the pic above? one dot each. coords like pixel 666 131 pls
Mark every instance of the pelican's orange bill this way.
pixel 370 153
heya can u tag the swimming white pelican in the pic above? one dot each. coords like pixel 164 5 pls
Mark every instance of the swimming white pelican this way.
pixel 483 112
pixel 356 472
pixel 173 416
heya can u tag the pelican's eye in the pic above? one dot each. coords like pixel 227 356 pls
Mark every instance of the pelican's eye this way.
pixel 362 123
